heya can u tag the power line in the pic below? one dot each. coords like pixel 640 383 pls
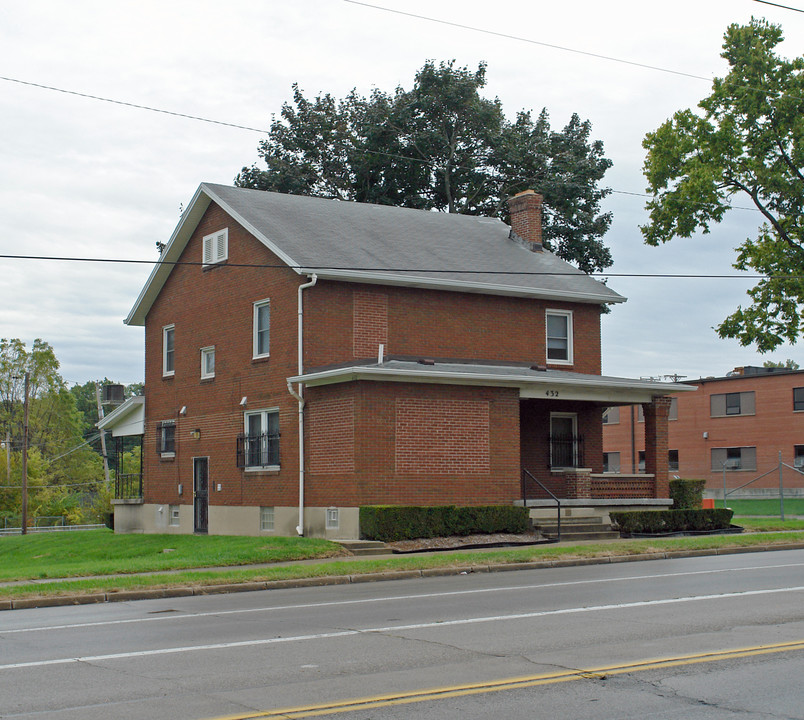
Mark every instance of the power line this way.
pixel 133 105
pixel 532 42
pixel 267 266
pixel 766 2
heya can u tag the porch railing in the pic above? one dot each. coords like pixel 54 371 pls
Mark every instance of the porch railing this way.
pixel 128 486
pixel 258 451
pixel 548 491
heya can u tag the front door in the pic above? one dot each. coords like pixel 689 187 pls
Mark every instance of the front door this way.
pixel 200 493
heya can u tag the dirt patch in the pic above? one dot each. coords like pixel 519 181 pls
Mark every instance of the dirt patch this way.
pixel 456 542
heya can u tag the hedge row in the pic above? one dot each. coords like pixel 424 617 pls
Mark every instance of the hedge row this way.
pixel 667 521
pixel 687 494
pixel 392 522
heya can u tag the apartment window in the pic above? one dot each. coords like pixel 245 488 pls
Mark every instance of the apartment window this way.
pixel 266 518
pixel 332 518
pixel 730 404
pixel 173 517
pixel 798 398
pixel 672 415
pixel 672 459
pixel 798 456
pixel 168 350
pixel 611 462
pixel 258 448
pixel 216 247
pixel 262 328
pixel 166 438
pixel 207 363
pixel 734 458
pixel 641 465
pixel 559 336
pixel 566 446
pixel 611 416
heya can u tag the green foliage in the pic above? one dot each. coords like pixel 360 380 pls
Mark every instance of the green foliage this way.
pixel 687 494
pixel 393 522
pixel 671 521
pixel 441 146
pixel 786 365
pixel 747 141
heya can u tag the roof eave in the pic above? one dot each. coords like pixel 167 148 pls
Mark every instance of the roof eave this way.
pixel 418 281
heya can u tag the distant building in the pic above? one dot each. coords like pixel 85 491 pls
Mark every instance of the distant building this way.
pixel 737 425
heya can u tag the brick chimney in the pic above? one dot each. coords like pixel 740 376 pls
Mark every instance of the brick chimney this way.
pixel 525 209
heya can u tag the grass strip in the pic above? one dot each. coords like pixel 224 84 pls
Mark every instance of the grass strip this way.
pixel 193 578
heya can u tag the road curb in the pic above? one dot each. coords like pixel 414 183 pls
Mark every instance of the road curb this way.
pixel 251 586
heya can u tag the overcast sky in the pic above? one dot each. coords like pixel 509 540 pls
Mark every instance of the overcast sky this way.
pixel 89 179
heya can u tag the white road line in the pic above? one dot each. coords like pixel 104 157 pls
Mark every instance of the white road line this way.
pixel 392 629
pixel 395 598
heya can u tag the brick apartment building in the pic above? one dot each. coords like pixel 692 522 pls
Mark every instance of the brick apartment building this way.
pixel 304 357
pixel 735 425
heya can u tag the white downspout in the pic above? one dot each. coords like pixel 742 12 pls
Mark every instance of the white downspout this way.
pixel 299 395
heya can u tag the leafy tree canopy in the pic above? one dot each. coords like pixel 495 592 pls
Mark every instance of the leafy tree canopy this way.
pixel 786 365
pixel 441 146
pixel 746 141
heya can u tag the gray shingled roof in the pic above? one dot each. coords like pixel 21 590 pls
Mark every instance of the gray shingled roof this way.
pixel 388 245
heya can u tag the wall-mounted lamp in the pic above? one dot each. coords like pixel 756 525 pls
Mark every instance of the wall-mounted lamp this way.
pixel 195 434
pixel 183 410
pixel 244 401
pixel 706 436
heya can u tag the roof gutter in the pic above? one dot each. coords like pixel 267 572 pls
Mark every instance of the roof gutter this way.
pixel 299 395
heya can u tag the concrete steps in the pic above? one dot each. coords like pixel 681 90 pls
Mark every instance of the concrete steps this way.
pixel 365 547
pixel 577 528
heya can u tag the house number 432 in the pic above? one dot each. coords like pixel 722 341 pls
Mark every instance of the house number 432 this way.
pixel 551 393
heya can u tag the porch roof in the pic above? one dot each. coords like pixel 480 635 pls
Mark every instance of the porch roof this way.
pixel 128 419
pixel 532 382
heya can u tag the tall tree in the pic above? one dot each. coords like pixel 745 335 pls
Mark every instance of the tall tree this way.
pixel 441 146
pixel 745 141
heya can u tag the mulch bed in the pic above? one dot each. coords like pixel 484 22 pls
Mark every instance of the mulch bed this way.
pixel 466 542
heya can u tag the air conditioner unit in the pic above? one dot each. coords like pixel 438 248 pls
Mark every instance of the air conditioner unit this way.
pixel 112 394
pixel 799 461
pixel 733 464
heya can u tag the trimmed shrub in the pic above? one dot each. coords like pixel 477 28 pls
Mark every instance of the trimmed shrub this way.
pixel 687 494
pixel 397 522
pixel 669 521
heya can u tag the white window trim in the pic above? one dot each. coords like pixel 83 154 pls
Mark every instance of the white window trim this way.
pixel 205 352
pixel 162 425
pixel 333 519
pixel 257 305
pixel 570 332
pixel 165 330
pixel 264 518
pixel 264 412
pixel 215 248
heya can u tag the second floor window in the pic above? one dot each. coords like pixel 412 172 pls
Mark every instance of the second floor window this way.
pixel 798 398
pixel 730 404
pixel 559 336
pixel 168 350
pixel 207 363
pixel 262 328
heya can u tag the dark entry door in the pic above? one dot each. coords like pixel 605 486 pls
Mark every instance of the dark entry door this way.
pixel 200 493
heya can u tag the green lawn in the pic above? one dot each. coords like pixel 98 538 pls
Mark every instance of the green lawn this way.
pixel 100 552
pixel 769 508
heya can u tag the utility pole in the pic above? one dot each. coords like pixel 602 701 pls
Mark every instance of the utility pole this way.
pixel 25 458
pixel 102 437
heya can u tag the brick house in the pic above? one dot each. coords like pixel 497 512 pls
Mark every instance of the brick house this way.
pixel 304 357
pixel 734 428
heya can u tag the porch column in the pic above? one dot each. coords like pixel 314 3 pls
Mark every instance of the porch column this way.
pixel 657 413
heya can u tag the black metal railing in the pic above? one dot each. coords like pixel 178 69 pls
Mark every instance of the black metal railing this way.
pixel 256 451
pixel 566 451
pixel 128 486
pixel 549 492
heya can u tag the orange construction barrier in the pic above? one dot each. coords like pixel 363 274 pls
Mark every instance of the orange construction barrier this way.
pixel 708 503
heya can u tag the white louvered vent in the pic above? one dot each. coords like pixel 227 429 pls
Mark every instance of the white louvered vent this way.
pixel 216 247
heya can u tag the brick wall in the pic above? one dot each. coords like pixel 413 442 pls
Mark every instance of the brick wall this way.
pixel 433 323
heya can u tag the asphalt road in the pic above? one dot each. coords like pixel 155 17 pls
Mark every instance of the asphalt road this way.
pixel 712 637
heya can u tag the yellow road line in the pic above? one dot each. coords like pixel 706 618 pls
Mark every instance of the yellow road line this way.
pixel 378 701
